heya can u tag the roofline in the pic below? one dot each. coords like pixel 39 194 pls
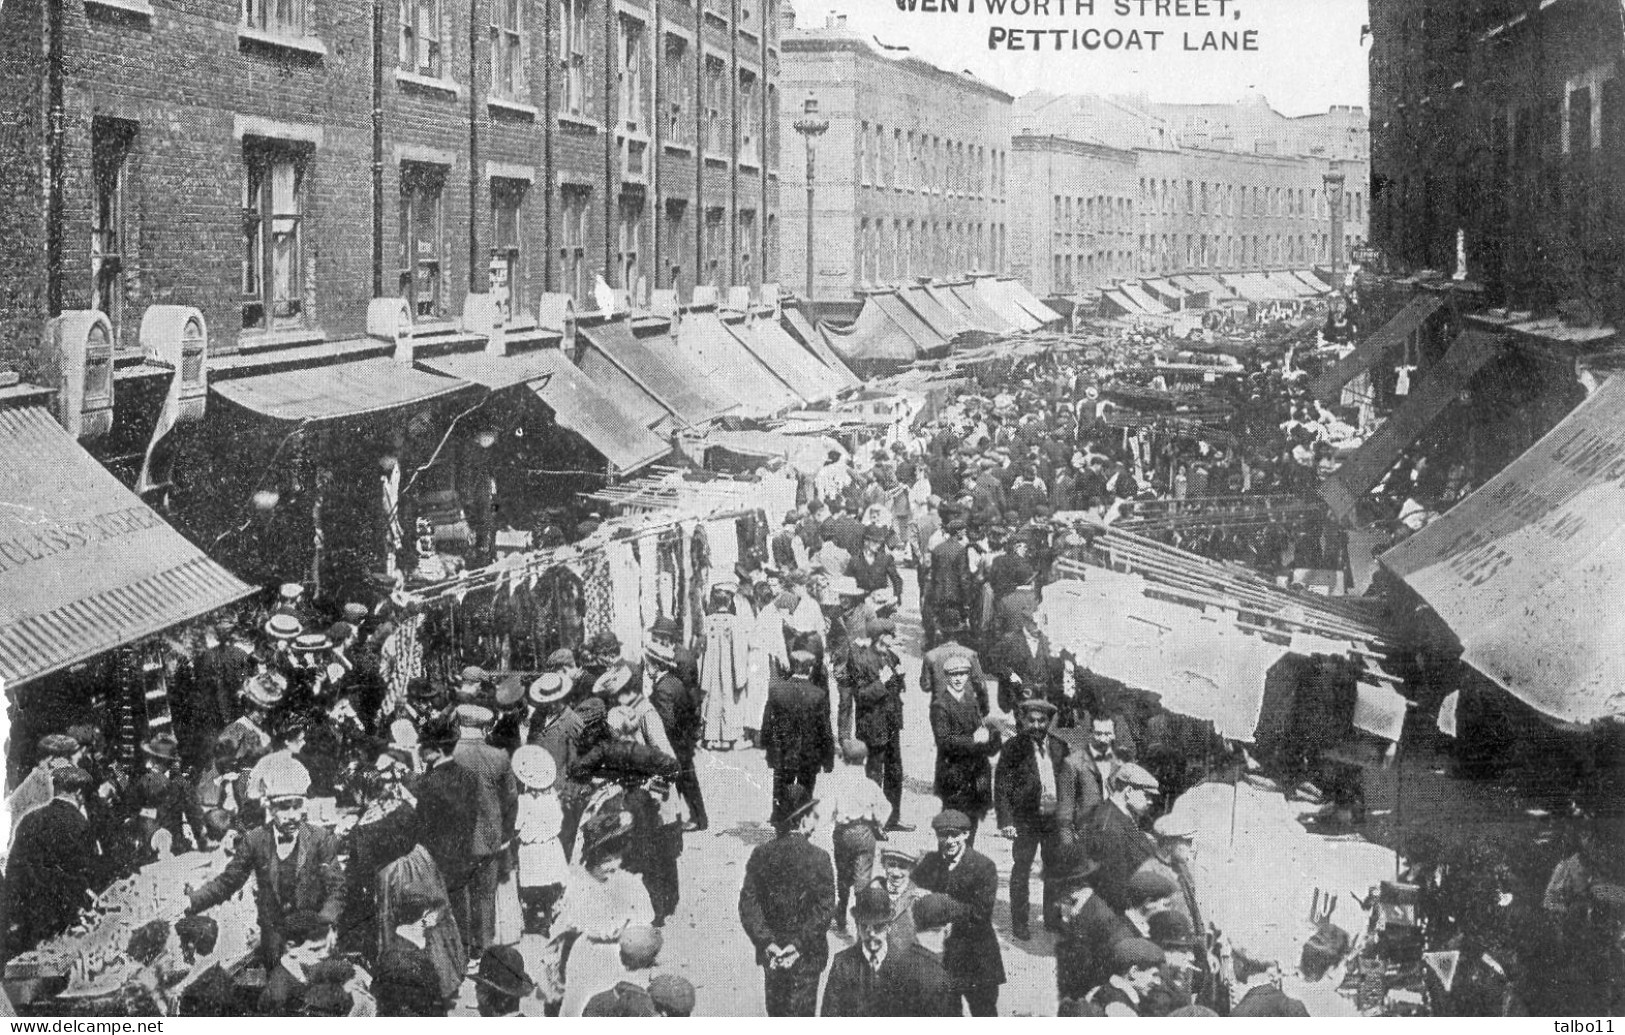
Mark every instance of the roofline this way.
pixel 812 44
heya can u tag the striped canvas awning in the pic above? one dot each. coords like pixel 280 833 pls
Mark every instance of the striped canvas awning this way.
pixel 85 565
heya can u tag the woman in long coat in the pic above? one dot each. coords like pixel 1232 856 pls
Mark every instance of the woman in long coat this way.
pixel 724 667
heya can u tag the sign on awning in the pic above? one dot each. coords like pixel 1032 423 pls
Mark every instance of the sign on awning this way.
pixel 1526 571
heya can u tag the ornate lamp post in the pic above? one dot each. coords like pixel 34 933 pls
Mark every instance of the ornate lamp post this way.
pixel 811 127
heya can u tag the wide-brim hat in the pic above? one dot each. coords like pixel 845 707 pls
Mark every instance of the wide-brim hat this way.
pixel 162 746
pixel 615 679
pixel 290 591
pixel 883 597
pixel 356 613
pixel 534 767
pixel 564 657
pixel 605 830
pixel 474 674
pixel 665 625
pixel 283 627
pixel 502 970
pixel 509 690
pixel 548 688
pixel 311 643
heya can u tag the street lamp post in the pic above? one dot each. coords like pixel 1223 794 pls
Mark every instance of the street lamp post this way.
pixel 1334 202
pixel 811 127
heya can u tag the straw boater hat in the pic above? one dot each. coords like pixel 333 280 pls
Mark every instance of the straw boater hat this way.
pixel 162 746
pixel 312 643
pixel 283 627
pixel 535 768
pixel 548 688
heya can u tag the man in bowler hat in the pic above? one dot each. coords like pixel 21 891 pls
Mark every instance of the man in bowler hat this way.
pixel 786 904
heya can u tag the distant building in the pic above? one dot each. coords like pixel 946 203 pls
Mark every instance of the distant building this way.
pixel 1500 126
pixel 1121 188
pixel 913 177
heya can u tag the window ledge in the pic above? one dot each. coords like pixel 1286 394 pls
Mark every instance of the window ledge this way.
pixel 449 87
pixel 310 46
pixel 673 147
pixel 249 342
pixel 507 107
pixel 136 7
pixel 746 163
pixel 578 124
pixel 715 159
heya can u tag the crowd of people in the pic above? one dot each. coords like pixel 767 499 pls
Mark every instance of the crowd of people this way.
pixel 556 804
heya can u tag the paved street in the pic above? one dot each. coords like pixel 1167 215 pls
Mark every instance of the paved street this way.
pixel 704 941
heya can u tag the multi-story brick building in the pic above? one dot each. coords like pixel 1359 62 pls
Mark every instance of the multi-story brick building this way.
pixel 912 176
pixel 1123 189
pixel 226 155
pixel 1500 126
pixel 317 179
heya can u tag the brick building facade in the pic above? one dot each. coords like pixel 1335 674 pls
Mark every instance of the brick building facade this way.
pixel 912 177
pixel 1503 124
pixel 1119 190
pixel 221 154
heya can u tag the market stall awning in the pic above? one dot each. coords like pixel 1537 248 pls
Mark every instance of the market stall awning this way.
pixel 335 391
pixel 952 303
pixel 655 368
pixel 723 362
pixel 1344 488
pixel 1030 302
pixel 806 453
pixel 927 308
pixel 1526 570
pixel 494 372
pixel 582 407
pixel 85 566
pixel 796 327
pixel 794 365
pixel 925 339
pixel 1371 350
pixel 987 317
pixel 1143 299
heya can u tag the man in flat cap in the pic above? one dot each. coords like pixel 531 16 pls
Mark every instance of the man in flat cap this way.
pixel 965 741
pixel 897 862
pixel 876 676
pixel 953 589
pixel 1113 836
pixel 971 954
pixel 917 981
pixel 854 972
pixel 1089 927
pixel 1027 785
pixel 786 904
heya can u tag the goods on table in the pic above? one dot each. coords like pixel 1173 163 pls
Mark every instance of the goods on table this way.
pixel 93 956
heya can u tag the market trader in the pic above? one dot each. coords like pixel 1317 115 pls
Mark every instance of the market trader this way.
pixel 294 864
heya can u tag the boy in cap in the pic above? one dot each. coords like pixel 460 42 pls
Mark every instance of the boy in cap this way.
pixel 854 972
pixel 918 982
pixel 855 805
pixel 1027 786
pixel 972 955
pixel 1136 970
pixel 965 741
pixel 785 906
pixel 897 877
pixel 876 676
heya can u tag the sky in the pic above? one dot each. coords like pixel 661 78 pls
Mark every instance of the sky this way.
pixel 1309 52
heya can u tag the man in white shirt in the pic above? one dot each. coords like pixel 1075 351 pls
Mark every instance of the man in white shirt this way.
pixel 857 806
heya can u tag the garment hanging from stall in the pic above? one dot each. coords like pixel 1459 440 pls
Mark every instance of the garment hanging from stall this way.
pixel 559 612
pixel 648 553
pixel 699 579
pixel 626 608
pixel 722 537
pixel 400 661
pixel 599 614
pixel 724 673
